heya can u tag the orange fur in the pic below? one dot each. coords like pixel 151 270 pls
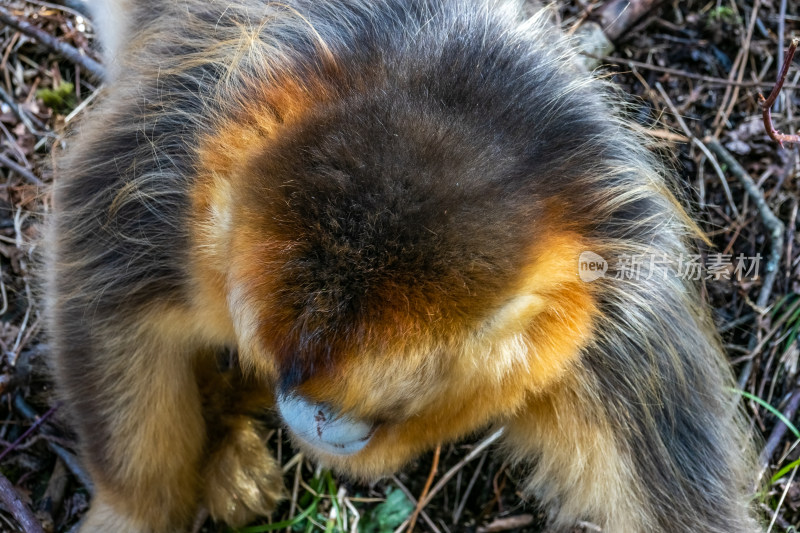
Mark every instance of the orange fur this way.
pixel 144 440
pixel 575 444
pixel 556 318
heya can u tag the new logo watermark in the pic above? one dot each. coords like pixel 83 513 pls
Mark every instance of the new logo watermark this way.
pixel 592 267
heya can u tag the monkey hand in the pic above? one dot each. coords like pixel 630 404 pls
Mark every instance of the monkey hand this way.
pixel 242 479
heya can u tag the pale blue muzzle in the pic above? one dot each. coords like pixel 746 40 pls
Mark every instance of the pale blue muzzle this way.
pixel 318 426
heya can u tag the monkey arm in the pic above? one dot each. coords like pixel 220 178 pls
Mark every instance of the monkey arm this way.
pixel 137 410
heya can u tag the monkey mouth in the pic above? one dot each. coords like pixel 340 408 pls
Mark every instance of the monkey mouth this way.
pixel 318 426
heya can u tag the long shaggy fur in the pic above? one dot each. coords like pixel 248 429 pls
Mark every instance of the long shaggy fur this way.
pixel 380 205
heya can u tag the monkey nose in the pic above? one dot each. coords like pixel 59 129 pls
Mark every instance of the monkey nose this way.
pixel 320 427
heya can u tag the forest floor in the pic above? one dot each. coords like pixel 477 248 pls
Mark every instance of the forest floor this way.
pixel 692 71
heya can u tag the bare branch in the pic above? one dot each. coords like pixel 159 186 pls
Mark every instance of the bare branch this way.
pixel 30 430
pixel 766 104
pixel 34 32
pixel 19 169
pixel 17 508
pixel 770 221
pixel 70 461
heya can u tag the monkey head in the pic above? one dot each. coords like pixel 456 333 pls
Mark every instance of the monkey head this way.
pixel 392 268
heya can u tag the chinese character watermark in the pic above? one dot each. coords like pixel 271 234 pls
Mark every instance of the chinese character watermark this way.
pixel 634 267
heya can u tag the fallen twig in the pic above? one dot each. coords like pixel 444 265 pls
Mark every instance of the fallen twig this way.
pixel 476 451
pixel 29 121
pixel 617 16
pixel 682 73
pixel 76 8
pixel 755 349
pixel 703 148
pixel 770 221
pixel 780 429
pixel 79 6
pixel 30 430
pixel 70 52
pixel 415 502
pixel 17 508
pixel 70 461
pixel 767 103
pixel 53 496
pixel 295 486
pixel 509 522
pixel 780 502
pixel 200 519
pixel 725 111
pixel 426 488
pixel 482 445
pixel 470 485
pixel 19 169
pixel 781 39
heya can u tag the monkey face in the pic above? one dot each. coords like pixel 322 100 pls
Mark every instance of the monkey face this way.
pixel 369 403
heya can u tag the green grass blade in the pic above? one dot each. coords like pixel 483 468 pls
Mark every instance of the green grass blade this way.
pixel 771 409
pixel 332 491
pixel 792 336
pixel 783 300
pixel 285 523
pixel 785 470
pixel 290 522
